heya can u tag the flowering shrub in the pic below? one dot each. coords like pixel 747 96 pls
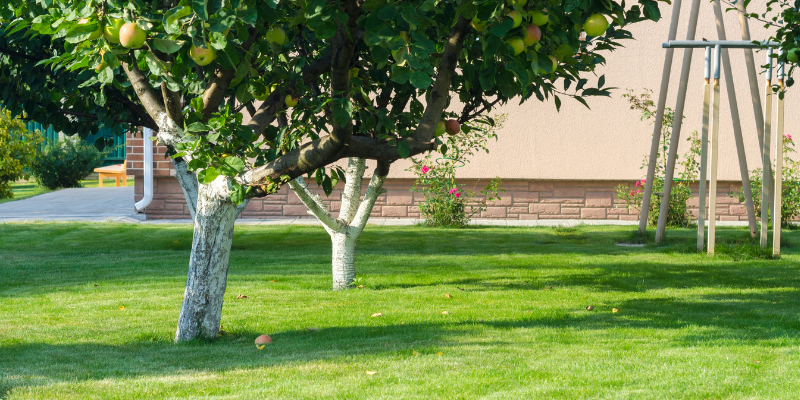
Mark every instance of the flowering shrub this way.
pixel 447 202
pixel 678 214
pixel 18 149
pixel 790 190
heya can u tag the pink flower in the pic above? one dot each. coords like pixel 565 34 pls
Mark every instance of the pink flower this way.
pixel 643 181
pixel 638 191
pixel 453 190
pixel 425 169
pixel 632 193
pixel 788 137
pixel 458 195
pixel 638 183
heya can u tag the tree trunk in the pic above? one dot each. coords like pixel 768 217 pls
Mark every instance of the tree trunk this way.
pixel 343 260
pixel 208 266
pixel 353 216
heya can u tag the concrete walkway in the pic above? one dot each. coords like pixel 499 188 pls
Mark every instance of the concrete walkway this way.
pixel 115 204
pixel 85 204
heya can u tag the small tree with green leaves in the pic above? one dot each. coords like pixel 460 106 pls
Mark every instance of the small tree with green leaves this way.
pixel 18 150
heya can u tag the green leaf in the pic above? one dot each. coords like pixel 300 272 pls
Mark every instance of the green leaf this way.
pixel 238 193
pixel 402 149
pixel 197 127
pixel 234 163
pixel 171 17
pixel 342 111
pixel 400 74
pixel 200 8
pixel 420 80
pixel 168 46
pixel 327 185
pixel 207 175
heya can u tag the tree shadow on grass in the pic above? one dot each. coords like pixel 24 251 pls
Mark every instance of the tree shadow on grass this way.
pixel 726 319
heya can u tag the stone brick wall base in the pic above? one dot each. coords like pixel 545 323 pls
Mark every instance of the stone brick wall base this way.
pixel 522 200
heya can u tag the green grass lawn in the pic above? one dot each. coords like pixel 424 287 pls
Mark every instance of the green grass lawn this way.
pixel 89 312
pixel 24 190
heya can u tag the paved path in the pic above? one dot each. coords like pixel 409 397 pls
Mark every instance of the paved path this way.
pixel 85 204
pixel 115 204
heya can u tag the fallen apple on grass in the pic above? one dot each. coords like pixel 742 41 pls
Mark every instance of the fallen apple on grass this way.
pixel 262 341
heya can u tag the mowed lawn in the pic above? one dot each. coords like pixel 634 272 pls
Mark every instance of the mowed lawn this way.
pixel 88 311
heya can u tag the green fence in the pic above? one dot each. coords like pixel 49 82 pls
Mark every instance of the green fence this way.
pixel 115 142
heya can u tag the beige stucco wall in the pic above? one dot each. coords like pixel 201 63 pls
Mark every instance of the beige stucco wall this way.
pixel 609 141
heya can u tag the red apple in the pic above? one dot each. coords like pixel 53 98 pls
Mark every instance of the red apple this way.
pixel 262 341
pixel 452 126
pixel 131 36
pixel 532 34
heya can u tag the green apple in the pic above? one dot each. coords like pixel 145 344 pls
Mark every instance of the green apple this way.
pixel 291 101
pixel 277 36
pixel 595 25
pixel 441 128
pixel 111 30
pixel 94 35
pixel 100 66
pixel 793 55
pixel 517 44
pixel 539 18
pixel 202 56
pixel 131 36
pixel 478 25
pixel 516 17
pixel 532 34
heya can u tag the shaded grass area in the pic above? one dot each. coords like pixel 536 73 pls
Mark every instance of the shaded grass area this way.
pixel 89 311
pixel 23 190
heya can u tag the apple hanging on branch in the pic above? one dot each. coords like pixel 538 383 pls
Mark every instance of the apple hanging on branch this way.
pixel 131 36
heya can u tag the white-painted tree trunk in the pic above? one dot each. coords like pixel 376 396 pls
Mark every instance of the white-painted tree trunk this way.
pixel 343 260
pixel 201 311
pixel 214 215
pixel 353 216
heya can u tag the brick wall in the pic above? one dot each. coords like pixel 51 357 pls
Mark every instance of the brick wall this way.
pixel 522 200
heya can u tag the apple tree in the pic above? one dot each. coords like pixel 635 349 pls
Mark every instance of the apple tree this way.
pixel 321 80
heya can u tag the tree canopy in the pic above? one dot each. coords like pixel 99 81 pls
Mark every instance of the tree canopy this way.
pixel 372 78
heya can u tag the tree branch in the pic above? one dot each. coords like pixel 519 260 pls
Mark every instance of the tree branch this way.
pixel 374 190
pixel 351 195
pixel 315 205
pixel 219 82
pixel 444 77
pixel 151 100
pixel 172 103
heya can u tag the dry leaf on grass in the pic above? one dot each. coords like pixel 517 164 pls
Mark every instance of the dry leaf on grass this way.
pixel 445 313
pixel 121 307
pixel 241 296
pixel 372 372
pixel 415 353
pixel 440 354
pixel 615 310
pixel 313 329
pixel 447 295
pixel 590 308
pixel 377 314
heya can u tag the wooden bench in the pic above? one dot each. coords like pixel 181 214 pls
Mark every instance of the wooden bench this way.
pixel 113 171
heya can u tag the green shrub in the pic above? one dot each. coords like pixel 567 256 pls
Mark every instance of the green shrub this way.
pixel 790 189
pixel 448 203
pixel 63 164
pixel 678 215
pixel 18 148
